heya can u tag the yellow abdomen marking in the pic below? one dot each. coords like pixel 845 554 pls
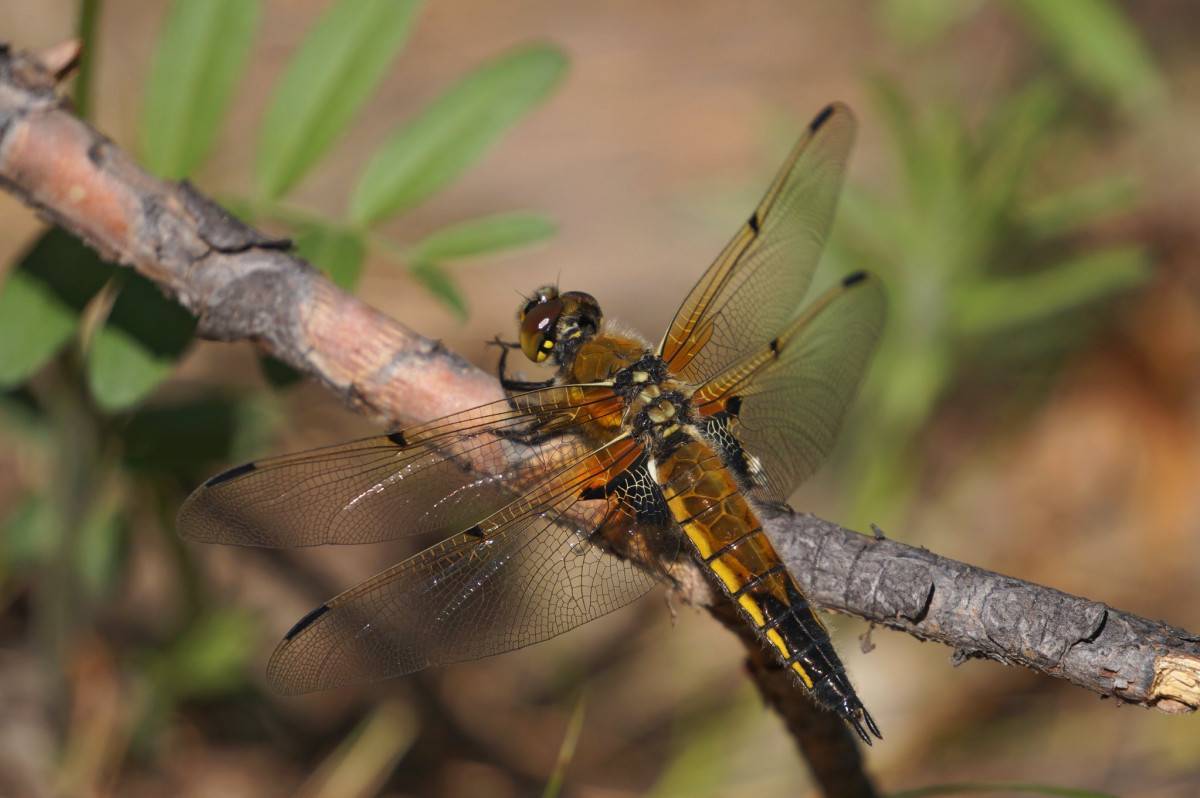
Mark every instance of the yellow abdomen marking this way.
pixel 706 502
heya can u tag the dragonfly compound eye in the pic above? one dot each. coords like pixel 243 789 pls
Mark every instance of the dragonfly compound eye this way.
pixel 539 324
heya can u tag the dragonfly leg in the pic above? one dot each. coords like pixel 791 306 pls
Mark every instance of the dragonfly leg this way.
pixel 512 386
pixel 776 507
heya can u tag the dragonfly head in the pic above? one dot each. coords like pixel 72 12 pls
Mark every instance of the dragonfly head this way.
pixel 555 325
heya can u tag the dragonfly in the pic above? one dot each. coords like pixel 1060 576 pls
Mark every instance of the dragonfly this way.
pixel 572 497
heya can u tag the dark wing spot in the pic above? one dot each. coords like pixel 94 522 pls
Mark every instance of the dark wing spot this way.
pixel 398 439
pixel 774 346
pixel 733 405
pixel 854 278
pixel 475 531
pixel 820 118
pixel 306 621
pixel 233 473
pixel 754 223
pixel 594 492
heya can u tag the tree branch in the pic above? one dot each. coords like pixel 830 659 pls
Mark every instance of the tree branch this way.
pixel 243 285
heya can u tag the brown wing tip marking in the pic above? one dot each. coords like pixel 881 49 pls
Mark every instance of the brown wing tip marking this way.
pixel 854 278
pixel 398 438
pixel 233 473
pixel 305 622
pixel 821 118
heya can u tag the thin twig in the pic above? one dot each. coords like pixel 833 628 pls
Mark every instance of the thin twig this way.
pixel 243 285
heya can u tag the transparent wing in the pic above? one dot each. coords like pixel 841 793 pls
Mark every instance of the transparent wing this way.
pixel 757 282
pixel 787 401
pixel 436 478
pixel 533 570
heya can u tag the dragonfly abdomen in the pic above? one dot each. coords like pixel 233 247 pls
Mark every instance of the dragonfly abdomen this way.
pixel 728 539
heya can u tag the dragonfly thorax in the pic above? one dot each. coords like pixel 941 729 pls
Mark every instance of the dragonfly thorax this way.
pixel 658 407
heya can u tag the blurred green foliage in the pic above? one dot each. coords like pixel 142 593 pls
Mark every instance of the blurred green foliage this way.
pixel 139 334
pixel 83 344
pixel 985 257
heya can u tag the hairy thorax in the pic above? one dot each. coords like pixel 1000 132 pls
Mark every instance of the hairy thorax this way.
pixel 658 407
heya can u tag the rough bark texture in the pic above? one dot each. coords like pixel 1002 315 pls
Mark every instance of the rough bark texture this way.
pixel 243 285
pixel 980 613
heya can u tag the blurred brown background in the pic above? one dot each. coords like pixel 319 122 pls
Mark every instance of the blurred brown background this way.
pixel 1069 457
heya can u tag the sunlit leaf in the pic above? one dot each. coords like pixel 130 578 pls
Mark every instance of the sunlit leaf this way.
pixel 138 346
pixel 340 63
pixel 41 299
pixel 435 278
pixel 335 251
pixel 1101 47
pixel 433 149
pixel 483 235
pixel 201 54
pixel 1007 302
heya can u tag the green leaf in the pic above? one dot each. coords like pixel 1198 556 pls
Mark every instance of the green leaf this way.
pixel 433 149
pixel 1004 303
pixel 482 235
pixel 340 63
pixel 22 415
pixel 1068 211
pixel 435 278
pixel 337 252
pixel 201 54
pixel 1009 148
pixel 188 439
pixel 1099 46
pixel 211 656
pixel 30 534
pixel 41 300
pixel 277 373
pixel 138 346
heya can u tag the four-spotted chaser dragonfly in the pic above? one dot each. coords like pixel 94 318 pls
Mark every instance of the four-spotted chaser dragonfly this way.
pixel 572 497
